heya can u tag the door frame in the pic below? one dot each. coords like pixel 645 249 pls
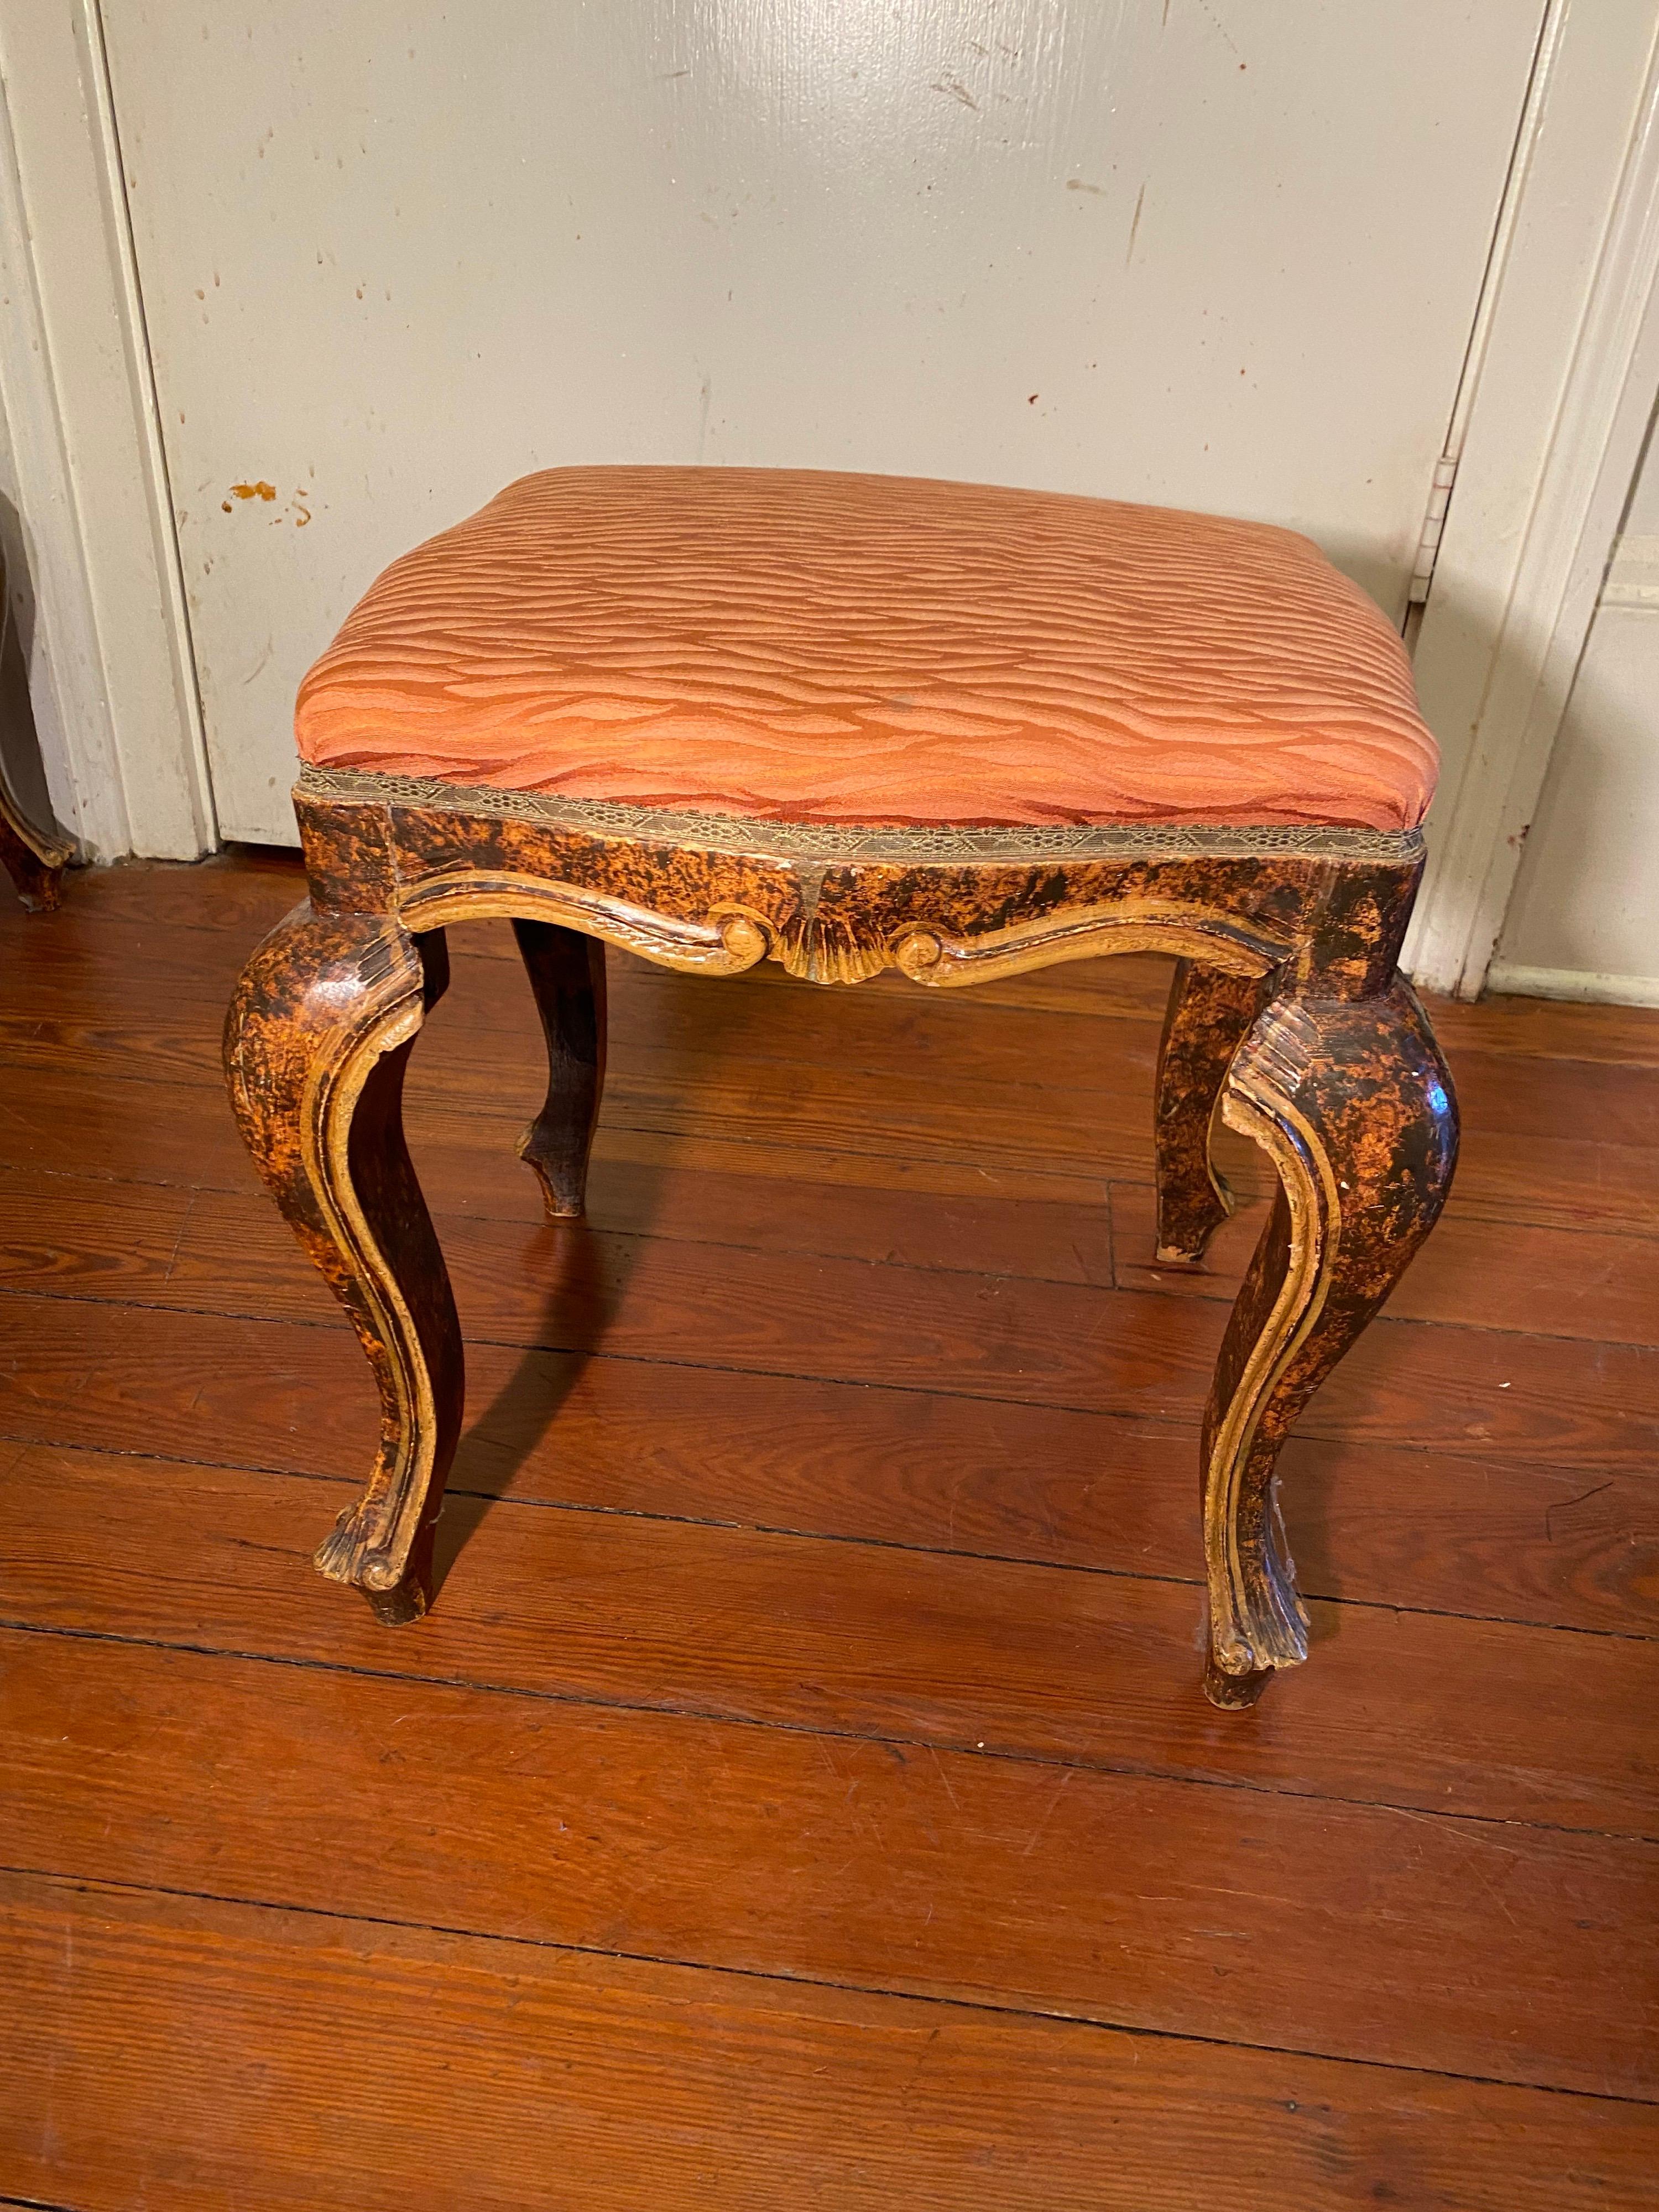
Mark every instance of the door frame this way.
pixel 112 675
pixel 1554 401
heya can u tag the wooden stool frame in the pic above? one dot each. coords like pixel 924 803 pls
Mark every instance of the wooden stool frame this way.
pixel 1288 1015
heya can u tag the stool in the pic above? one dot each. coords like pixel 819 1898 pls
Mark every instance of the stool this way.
pixel 846 723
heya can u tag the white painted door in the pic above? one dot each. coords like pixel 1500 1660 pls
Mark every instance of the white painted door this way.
pixel 1216 254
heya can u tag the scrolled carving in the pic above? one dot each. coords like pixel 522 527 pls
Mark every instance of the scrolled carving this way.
pixel 729 940
pixel 833 948
pixel 818 949
pixel 917 953
pixel 821 950
pixel 940 961
pixel 746 936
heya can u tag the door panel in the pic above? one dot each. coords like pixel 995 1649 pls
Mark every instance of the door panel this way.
pixel 1216 254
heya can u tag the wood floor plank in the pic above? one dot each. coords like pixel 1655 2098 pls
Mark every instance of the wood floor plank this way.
pixel 1470 1273
pixel 239 897
pixel 1439 1714
pixel 248 888
pixel 1550 1401
pixel 1480 1534
pixel 195 2055
pixel 886 1031
pixel 1563 1172
pixel 576 1287
pixel 812 1204
pixel 246 891
pixel 1514 1953
pixel 1529 1029
pixel 1602 1288
pixel 76 969
pixel 1615 1104
pixel 822 1603
pixel 1562 1183
pixel 91 1236
pixel 985 1118
pixel 53 1122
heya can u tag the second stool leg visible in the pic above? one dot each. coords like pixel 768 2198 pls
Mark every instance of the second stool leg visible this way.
pixel 567 974
pixel 1209 1016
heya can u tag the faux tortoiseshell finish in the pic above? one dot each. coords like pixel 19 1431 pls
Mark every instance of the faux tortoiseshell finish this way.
pixel 1288 1017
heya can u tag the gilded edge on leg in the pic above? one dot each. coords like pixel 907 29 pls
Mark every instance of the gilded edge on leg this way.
pixel 370 1544
pixel 1258 1619
pixel 729 940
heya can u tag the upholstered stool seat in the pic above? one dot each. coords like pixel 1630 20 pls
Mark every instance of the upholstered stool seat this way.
pixel 856 723
pixel 875 650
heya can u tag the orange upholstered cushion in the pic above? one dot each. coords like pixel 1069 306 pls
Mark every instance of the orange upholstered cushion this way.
pixel 783 644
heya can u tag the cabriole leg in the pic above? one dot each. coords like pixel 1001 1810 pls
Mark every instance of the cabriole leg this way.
pixel 324 1019
pixel 1209 1015
pixel 1352 1104
pixel 567 974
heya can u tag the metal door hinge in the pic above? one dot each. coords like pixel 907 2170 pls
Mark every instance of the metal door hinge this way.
pixel 1434 521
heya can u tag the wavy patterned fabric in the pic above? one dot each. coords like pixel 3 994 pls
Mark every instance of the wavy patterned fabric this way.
pixel 788 645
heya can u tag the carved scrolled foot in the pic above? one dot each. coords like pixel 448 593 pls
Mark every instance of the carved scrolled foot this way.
pixel 353 1552
pixel 1233 1693
pixel 567 974
pixel 1210 1013
pixel 316 1042
pixel 1351 1102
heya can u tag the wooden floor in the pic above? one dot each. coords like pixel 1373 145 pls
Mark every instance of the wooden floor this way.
pixel 802 1795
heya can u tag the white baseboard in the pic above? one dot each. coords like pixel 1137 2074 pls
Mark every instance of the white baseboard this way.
pixel 1577 983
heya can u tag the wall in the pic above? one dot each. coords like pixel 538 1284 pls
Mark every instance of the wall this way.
pixel 1585 919
pixel 1202 253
